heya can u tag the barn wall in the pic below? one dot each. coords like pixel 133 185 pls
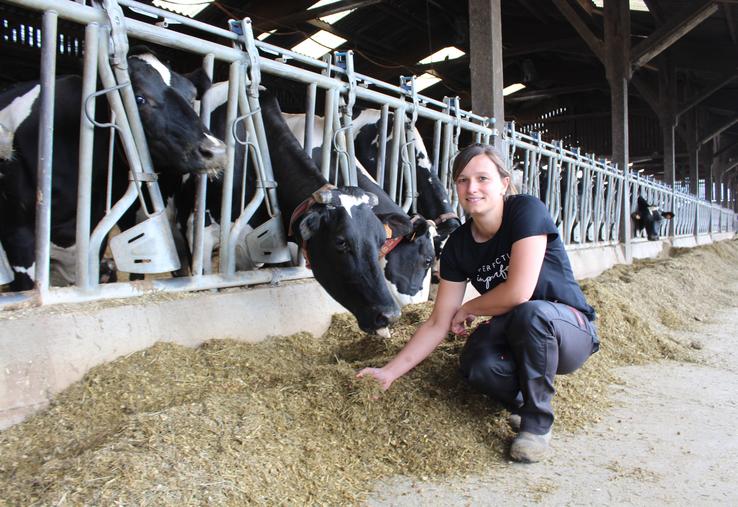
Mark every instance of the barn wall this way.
pixel 44 350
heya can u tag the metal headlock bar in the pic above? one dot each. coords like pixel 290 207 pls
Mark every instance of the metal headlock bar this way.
pixel 587 207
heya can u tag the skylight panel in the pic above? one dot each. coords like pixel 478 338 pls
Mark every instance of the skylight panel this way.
pixel 635 5
pixel 189 8
pixel 266 34
pixel 515 87
pixel 447 53
pixel 319 44
pixel 331 18
pixel 425 81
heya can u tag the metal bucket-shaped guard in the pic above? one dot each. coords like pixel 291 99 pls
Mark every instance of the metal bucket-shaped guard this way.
pixel 6 273
pixel 268 243
pixel 147 247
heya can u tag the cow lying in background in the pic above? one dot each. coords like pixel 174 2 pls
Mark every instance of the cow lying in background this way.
pixel 178 141
pixel 648 218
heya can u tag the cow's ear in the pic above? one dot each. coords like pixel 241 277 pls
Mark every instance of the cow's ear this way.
pixel 200 79
pixel 667 215
pixel 398 223
pixel 420 227
pixel 310 224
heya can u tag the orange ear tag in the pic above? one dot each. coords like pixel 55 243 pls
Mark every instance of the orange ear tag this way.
pixel 387 231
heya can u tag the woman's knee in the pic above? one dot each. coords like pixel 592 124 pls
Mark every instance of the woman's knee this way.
pixel 529 318
pixel 492 371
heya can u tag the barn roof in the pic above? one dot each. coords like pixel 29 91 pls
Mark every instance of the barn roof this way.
pixel 566 92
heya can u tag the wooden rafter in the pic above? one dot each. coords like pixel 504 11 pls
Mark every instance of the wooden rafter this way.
pixel 693 101
pixel 670 32
pixel 730 20
pixel 552 92
pixel 594 42
pixel 719 130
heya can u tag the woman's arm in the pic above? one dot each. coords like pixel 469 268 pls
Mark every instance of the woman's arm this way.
pixel 425 339
pixel 526 260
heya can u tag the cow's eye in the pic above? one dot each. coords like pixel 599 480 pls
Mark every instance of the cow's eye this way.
pixel 428 262
pixel 342 245
pixel 140 100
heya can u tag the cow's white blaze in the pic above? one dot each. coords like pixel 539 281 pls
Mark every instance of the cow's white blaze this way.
pixel 12 116
pixel 349 202
pixel 162 69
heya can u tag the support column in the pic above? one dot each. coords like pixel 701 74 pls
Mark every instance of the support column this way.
pixel 667 119
pixel 617 64
pixel 485 40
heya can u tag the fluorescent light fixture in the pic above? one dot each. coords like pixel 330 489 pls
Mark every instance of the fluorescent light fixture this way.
pixel 635 5
pixel 515 87
pixel 425 81
pixel 189 8
pixel 447 53
pixel 266 34
pixel 331 18
pixel 319 44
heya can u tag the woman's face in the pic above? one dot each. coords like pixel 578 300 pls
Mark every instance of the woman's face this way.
pixel 480 186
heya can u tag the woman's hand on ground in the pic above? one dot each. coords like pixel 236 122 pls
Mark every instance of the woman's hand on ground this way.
pixel 384 378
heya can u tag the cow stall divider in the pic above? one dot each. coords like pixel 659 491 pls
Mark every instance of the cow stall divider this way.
pixel 583 194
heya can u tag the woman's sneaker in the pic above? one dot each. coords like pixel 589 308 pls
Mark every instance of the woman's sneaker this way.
pixel 530 448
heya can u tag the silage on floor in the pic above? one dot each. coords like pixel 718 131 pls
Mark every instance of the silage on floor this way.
pixel 285 421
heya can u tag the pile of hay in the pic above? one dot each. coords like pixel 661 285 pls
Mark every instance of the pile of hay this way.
pixel 285 421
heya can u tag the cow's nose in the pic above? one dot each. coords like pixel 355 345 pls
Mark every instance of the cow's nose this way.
pixel 211 150
pixel 384 318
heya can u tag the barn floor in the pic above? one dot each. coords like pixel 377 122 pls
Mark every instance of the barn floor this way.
pixel 670 439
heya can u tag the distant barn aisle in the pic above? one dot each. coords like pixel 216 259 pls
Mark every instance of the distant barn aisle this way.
pixel 285 422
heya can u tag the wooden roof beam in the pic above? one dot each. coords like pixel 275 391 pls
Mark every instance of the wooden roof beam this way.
pixel 670 32
pixel 731 22
pixel 719 130
pixel 595 43
pixel 552 92
pixel 689 104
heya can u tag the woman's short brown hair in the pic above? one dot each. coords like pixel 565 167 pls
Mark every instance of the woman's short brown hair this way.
pixel 471 151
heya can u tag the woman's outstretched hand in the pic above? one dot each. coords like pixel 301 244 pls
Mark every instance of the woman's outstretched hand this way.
pixel 461 320
pixel 380 375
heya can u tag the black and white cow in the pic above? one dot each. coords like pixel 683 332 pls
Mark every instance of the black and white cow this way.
pixel 11 116
pixel 178 142
pixel 337 229
pixel 648 218
pixel 433 201
pixel 405 266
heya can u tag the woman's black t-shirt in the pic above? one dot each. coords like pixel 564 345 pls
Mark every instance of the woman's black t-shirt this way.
pixel 485 264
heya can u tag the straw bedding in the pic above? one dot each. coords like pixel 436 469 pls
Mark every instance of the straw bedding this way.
pixel 285 421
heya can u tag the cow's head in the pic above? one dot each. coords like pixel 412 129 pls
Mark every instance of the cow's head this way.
pixel 407 265
pixel 648 218
pixel 177 139
pixel 342 238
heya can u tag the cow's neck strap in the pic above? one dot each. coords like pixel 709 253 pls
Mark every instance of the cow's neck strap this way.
pixel 445 216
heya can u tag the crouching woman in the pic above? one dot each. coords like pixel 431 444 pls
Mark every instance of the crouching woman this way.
pixel 540 323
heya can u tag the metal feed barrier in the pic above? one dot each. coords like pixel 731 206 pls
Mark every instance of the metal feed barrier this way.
pixel 588 208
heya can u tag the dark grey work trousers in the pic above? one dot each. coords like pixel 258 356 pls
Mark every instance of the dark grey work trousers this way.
pixel 514 357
